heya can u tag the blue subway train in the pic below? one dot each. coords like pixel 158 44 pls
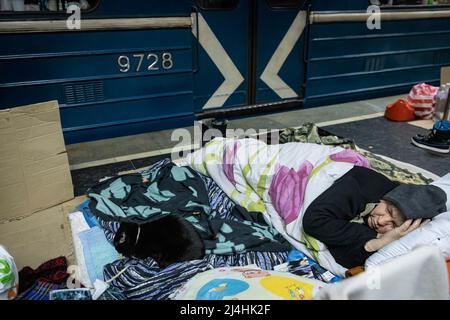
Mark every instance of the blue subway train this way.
pixel 127 67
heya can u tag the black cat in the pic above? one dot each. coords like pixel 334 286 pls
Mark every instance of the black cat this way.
pixel 167 239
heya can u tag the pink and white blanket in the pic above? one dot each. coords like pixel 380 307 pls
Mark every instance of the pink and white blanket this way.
pixel 280 181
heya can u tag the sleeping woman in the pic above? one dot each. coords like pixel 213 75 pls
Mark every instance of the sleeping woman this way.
pixel 364 211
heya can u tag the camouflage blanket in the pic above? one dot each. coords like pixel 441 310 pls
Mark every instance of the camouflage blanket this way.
pixel 309 132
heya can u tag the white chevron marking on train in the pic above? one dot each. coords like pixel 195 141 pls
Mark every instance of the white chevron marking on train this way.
pixel 223 62
pixel 270 74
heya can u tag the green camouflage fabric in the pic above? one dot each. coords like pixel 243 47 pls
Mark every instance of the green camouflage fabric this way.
pixel 311 133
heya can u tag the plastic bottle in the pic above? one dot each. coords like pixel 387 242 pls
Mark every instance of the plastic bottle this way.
pixel 324 275
pixel 441 102
pixel 318 271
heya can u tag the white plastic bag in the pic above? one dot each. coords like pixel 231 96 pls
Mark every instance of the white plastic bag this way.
pixel 9 277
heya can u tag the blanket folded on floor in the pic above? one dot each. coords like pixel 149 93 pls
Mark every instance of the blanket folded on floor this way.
pixel 40 290
pixel 97 252
pixel 279 181
pixel 144 279
pixel 169 189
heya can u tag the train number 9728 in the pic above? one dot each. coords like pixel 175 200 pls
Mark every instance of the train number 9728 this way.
pixel 145 62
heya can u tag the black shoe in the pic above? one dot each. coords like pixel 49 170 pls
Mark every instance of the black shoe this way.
pixel 437 141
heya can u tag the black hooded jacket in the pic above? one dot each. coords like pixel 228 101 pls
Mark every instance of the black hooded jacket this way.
pixel 328 218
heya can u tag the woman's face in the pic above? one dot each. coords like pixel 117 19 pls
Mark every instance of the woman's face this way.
pixel 385 217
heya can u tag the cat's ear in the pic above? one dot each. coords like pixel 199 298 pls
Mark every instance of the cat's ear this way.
pixel 122 237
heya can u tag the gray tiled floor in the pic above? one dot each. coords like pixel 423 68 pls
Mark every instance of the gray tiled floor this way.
pixel 109 149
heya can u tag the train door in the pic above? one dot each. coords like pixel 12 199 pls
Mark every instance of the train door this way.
pixel 247 52
pixel 221 29
pixel 279 50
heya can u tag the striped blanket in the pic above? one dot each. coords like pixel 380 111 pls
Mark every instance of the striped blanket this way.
pixel 145 280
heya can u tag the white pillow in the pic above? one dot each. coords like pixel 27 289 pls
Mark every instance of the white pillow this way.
pixel 419 275
pixel 78 224
pixel 436 233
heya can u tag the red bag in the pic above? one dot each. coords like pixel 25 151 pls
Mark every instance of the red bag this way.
pixel 400 110
pixel 422 99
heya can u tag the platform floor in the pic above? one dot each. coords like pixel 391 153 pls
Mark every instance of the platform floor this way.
pixel 362 121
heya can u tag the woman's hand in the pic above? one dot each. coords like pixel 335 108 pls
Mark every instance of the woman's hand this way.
pixel 407 227
pixel 394 234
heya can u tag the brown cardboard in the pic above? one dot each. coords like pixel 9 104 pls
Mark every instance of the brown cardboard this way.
pixel 445 75
pixel 34 168
pixel 40 237
pixel 425 124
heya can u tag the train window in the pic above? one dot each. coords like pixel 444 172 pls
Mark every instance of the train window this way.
pixel 46 6
pixel 217 4
pixel 284 3
pixel 409 2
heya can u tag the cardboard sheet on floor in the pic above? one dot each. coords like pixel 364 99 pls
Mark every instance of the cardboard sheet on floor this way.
pixel 425 124
pixel 34 168
pixel 41 236
pixel 445 75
